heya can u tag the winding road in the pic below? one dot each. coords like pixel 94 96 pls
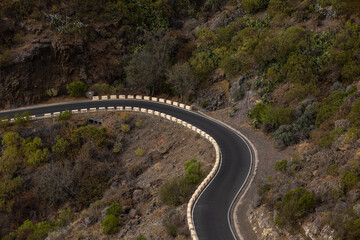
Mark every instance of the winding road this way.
pixel 212 210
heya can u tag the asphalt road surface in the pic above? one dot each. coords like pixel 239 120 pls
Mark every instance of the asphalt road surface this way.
pixel 211 211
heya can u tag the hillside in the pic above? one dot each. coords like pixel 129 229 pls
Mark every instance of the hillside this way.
pixel 66 184
pixel 292 67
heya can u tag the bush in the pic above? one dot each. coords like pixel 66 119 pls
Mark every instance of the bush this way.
pixel 141 238
pixel 281 165
pixel 41 230
pixel 139 123
pixel 173 223
pixel 333 170
pixel 65 115
pixel 61 146
pixel 193 172
pixel 110 224
pixel 354 114
pixel 284 136
pixel 22 119
pixel 296 204
pixel 65 217
pixel 267 114
pixel 252 6
pixel 328 140
pixel 118 146
pixel 103 88
pixel 329 106
pixel 182 81
pixel 139 151
pixel 52 92
pixel 114 209
pixel 175 192
pixel 35 231
pixel 125 128
pixel 4 123
pixel 204 103
pixel 77 89
pixel 348 181
pixel 8 190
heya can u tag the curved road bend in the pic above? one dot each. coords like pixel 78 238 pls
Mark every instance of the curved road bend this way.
pixel 210 212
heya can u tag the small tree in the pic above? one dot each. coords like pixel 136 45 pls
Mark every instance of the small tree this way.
pixel 193 172
pixel 110 224
pixel 65 115
pixel 77 89
pixel 60 147
pixel 281 165
pixel 182 80
pixel 296 204
pixel 4 122
pixel 22 119
pixel 114 209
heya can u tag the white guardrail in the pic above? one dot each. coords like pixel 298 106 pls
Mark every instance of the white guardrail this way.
pixel 208 178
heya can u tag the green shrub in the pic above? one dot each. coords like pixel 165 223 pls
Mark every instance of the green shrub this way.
pixel 141 238
pixel 204 103
pixel 272 116
pixel 41 230
pixel 83 134
pixel 60 147
pixel 125 117
pixel 33 153
pixel 193 172
pixel 8 190
pixel 65 115
pixel 347 227
pixel 77 89
pixel 110 225
pixel 65 217
pixel 175 192
pixel 281 165
pixel 103 88
pixel 352 135
pixel 139 151
pixel 172 230
pixel 4 123
pixel 296 204
pixel 27 227
pixel 284 136
pixel 12 155
pixel 114 209
pixel 35 231
pixel 139 123
pixel 22 119
pixel 354 114
pixel 329 106
pixel 328 140
pixel 52 92
pixel 125 128
pixel 178 190
pixel 203 63
pixel 118 146
pixel 348 181
pixel 252 6
pixel 333 170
